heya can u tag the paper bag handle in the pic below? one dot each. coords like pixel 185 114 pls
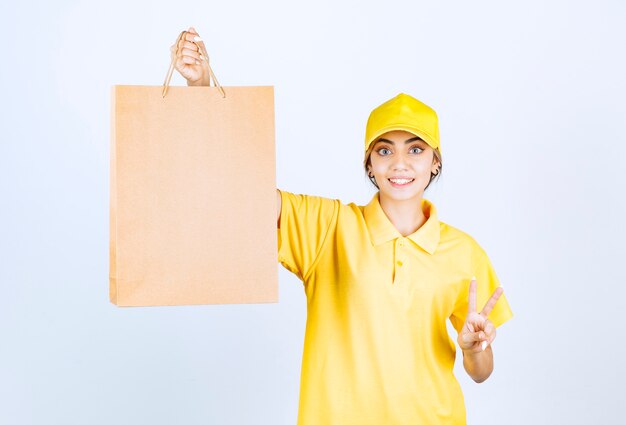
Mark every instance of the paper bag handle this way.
pixel 170 71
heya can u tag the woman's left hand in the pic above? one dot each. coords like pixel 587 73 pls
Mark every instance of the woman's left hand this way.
pixel 478 332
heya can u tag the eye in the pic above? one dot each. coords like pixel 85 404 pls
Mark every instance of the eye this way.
pixel 416 150
pixel 384 151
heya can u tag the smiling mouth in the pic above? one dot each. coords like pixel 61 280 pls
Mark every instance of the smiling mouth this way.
pixel 400 182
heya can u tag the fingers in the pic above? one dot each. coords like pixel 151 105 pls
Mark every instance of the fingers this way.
pixel 490 331
pixel 184 45
pixel 477 335
pixel 190 58
pixel 490 335
pixel 187 50
pixel 476 342
pixel 192 36
pixel 472 296
pixel 489 305
pixel 187 45
pixel 492 302
pixel 471 337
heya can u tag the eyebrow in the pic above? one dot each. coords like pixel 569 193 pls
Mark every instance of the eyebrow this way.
pixel 412 139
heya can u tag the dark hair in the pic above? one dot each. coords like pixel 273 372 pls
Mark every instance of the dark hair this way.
pixel 436 157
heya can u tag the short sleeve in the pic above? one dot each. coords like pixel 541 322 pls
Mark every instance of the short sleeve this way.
pixel 305 224
pixel 487 282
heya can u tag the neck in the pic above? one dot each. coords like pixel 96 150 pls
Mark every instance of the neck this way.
pixel 406 216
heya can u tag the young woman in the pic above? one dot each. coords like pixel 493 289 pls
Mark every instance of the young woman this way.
pixel 382 279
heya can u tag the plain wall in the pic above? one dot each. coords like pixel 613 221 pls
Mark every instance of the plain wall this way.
pixel 530 97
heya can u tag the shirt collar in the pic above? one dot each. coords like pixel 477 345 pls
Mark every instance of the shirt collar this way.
pixel 382 230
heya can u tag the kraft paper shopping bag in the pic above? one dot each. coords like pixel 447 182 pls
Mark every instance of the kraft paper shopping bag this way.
pixel 193 196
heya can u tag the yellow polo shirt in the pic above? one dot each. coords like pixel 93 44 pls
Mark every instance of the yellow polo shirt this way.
pixel 376 347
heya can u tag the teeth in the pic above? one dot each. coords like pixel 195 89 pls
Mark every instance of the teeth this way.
pixel 400 181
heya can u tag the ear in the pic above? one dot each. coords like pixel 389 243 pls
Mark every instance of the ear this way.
pixel 435 168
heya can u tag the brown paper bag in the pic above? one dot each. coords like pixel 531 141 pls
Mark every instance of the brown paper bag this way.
pixel 193 196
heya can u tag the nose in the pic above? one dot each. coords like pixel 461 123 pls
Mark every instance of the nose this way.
pixel 399 163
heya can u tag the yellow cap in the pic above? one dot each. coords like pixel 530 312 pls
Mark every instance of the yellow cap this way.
pixel 403 112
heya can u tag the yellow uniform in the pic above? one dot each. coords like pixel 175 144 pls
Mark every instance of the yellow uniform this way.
pixel 376 348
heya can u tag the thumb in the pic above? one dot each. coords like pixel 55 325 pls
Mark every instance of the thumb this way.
pixel 192 30
pixel 472 337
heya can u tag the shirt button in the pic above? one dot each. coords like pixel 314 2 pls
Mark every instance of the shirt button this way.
pixel 399 263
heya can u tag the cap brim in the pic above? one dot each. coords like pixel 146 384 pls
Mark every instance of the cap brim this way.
pixel 421 134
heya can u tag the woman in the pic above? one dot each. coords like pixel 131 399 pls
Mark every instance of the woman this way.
pixel 382 279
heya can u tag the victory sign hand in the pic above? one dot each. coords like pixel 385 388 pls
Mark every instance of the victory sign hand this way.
pixel 478 331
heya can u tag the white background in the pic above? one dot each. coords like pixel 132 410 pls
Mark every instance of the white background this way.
pixel 530 97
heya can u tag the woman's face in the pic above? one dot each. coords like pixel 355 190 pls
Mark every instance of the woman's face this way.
pixel 402 164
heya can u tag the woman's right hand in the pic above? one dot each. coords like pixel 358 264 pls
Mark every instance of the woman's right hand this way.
pixel 189 60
